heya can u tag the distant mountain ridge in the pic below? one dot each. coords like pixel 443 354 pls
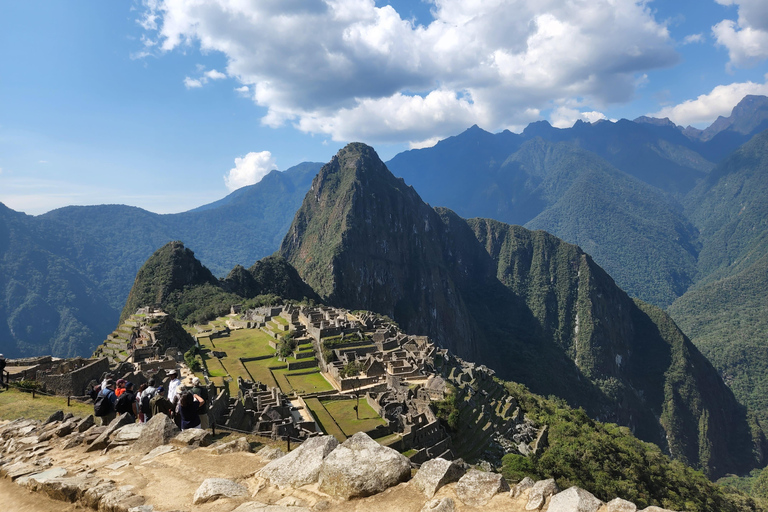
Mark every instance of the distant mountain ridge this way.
pixel 65 275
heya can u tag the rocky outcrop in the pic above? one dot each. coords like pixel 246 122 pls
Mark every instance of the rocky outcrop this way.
pixel 302 465
pixel 159 430
pixel 214 488
pixel 477 488
pixel 539 493
pixel 574 499
pixel 436 473
pixel 361 467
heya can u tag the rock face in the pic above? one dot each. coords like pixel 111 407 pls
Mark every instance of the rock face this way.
pixel 193 437
pixel 102 441
pixel 525 483
pixel 434 474
pixel 159 430
pixel 238 445
pixel 476 488
pixel 620 505
pixel 439 505
pixel 215 488
pixel 361 467
pixel 302 465
pixel 574 499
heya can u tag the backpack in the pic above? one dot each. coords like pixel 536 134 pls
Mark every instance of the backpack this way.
pixel 146 398
pixel 102 405
pixel 124 403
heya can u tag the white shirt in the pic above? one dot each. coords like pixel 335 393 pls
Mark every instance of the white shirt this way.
pixel 173 388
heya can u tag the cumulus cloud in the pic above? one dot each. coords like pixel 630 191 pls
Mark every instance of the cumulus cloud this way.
pixel 194 83
pixel 191 83
pixel 707 107
pixel 215 75
pixel 326 66
pixel 565 116
pixel 693 38
pixel 747 38
pixel 249 169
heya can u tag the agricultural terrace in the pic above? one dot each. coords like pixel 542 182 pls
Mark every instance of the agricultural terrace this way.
pixel 337 417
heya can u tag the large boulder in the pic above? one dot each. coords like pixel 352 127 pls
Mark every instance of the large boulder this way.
pixel 214 488
pixel 361 467
pixel 656 509
pixel 476 488
pixel 159 430
pixel 238 445
pixel 539 493
pixel 574 499
pixel 522 485
pixel 85 423
pixel 302 465
pixel 119 500
pixel 436 473
pixel 270 453
pixel 193 438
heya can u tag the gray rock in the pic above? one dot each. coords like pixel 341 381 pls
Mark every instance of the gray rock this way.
pixel 57 416
pixel 620 505
pixel 159 430
pixel 238 445
pixel 66 428
pixel 72 441
pixel 93 495
pixel 436 473
pixel 18 469
pixel 574 499
pixel 85 423
pixel 476 488
pixel 160 450
pixel 102 441
pixel 525 483
pixel 70 489
pixel 655 509
pixel 119 500
pixel 361 467
pixel 540 491
pixel 439 505
pixel 128 433
pixel 269 453
pixel 302 465
pixel 193 437
pixel 35 478
pixel 143 508
pixel 215 488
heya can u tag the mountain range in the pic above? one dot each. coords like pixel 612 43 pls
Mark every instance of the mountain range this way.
pixel 675 215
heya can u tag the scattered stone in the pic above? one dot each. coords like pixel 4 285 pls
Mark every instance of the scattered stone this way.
pixel 257 506
pixel 93 495
pixel 18 469
pixel 57 416
pixel 102 441
pixel 65 428
pixel 269 453
pixel 73 441
pixel 290 501
pixel 525 483
pixel 302 465
pixel 117 465
pixel 436 473
pixel 620 505
pixel 439 505
pixel 160 450
pixel 574 499
pixel 361 467
pixel 119 500
pixel 44 476
pixel 476 488
pixel 142 508
pixel 540 491
pixel 129 433
pixel 29 440
pixel 85 423
pixel 214 488
pixel 156 432
pixel 67 489
pixel 193 437
pixel 238 445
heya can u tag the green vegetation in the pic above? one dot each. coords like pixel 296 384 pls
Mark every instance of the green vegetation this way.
pixel 20 404
pixel 448 409
pixel 345 416
pixel 608 461
pixel 324 419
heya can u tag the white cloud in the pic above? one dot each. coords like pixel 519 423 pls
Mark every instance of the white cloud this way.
pixel 706 108
pixel 325 64
pixel 747 38
pixel 249 169
pixel 215 75
pixel 191 83
pixel 1 170
pixel 693 38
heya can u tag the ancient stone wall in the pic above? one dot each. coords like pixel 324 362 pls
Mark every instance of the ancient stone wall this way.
pixel 73 383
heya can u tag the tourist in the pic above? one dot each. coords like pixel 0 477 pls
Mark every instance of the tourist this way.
pixel 140 392
pixel 104 406
pixel 145 399
pixel 160 404
pixel 173 386
pixel 2 368
pixel 189 410
pixel 120 387
pixel 126 402
pixel 177 404
pixel 202 392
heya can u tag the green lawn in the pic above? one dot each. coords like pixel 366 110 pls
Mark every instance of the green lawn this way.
pixel 260 370
pixel 310 383
pixel 343 413
pixel 325 420
pixel 16 404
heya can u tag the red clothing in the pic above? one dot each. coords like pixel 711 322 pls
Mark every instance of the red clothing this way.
pixel 119 391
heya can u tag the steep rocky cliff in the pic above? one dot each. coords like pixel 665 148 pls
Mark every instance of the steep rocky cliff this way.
pixel 533 308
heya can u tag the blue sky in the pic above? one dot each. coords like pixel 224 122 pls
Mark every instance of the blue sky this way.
pixel 170 104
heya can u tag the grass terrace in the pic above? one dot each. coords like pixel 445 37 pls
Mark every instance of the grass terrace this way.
pixel 343 413
pixel 18 404
pixel 301 382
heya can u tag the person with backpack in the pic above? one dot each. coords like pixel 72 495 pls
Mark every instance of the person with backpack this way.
pixel 104 405
pixel 2 369
pixel 126 402
pixel 160 404
pixel 145 399
pixel 202 392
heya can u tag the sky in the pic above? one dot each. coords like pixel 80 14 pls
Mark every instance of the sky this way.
pixel 171 104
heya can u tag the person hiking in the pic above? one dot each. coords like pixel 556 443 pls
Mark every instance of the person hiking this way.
pixel 201 391
pixel 126 402
pixel 189 410
pixel 160 404
pixel 104 405
pixel 2 369
pixel 173 386
pixel 145 399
